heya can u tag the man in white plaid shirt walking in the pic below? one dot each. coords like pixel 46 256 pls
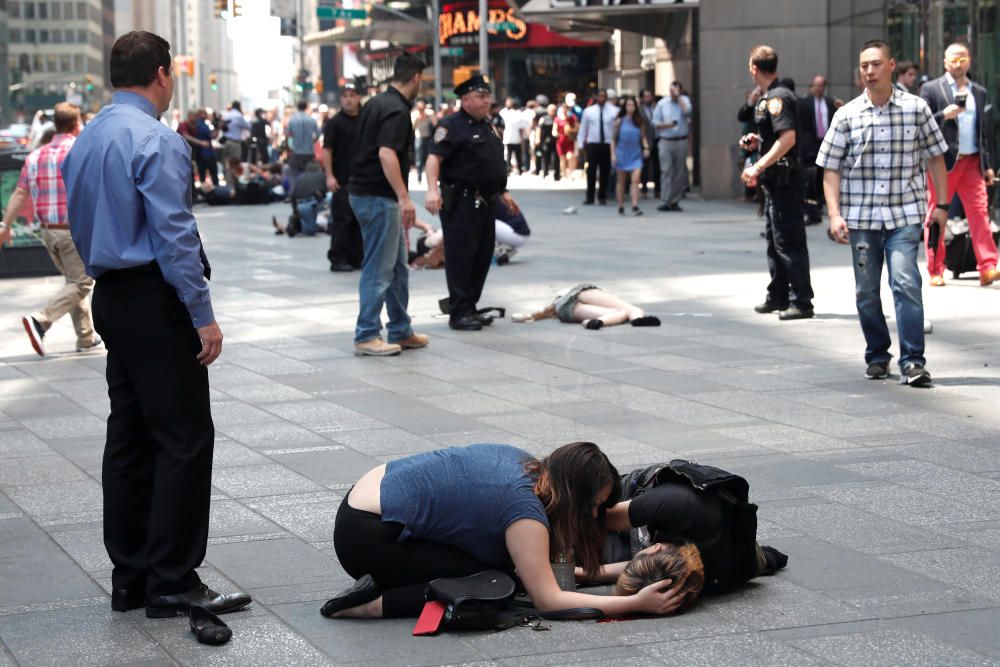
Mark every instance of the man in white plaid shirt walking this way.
pixel 875 191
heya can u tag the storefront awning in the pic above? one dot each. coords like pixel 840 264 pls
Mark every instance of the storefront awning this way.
pixel 388 30
pixel 651 17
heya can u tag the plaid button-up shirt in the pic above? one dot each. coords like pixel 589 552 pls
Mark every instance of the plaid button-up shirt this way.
pixel 41 177
pixel 880 153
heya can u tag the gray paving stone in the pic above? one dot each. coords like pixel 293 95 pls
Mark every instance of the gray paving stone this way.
pixel 268 563
pixel 973 630
pixel 889 647
pixel 86 636
pixel 786 438
pixel 971 568
pixel 903 504
pixel 260 480
pixel 773 602
pixel 84 544
pixel 622 656
pixel 57 427
pixel 19 443
pixel 309 516
pixel 739 649
pixel 325 464
pixel 231 517
pixel 272 435
pixel 50 469
pixel 228 453
pixel 272 392
pixel 383 441
pixel 62 503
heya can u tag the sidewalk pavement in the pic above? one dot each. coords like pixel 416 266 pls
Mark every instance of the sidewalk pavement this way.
pixel 885 497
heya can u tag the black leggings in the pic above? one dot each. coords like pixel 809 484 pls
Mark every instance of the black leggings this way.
pixel 367 545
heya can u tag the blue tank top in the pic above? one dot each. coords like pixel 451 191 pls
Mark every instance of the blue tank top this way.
pixel 462 496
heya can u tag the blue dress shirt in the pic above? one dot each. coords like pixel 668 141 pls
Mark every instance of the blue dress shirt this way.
pixel 668 110
pixel 967 140
pixel 128 188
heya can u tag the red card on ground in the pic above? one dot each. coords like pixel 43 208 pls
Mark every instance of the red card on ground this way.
pixel 429 622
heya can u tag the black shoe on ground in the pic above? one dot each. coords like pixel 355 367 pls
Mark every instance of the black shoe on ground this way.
pixel 794 312
pixel 168 606
pixel 915 375
pixel 636 210
pixel 588 202
pixel 774 558
pixel 485 320
pixel 362 592
pixel 621 211
pixel 126 599
pixel 602 202
pixel 341 266
pixel 35 334
pixel 767 307
pixel 663 207
pixel 877 370
pixel 466 323
pixel 674 207
pixel 208 628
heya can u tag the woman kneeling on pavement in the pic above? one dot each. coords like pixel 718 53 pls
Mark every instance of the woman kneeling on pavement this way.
pixel 458 511
pixel 689 523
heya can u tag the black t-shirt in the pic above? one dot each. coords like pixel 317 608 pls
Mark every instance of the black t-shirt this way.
pixel 776 112
pixel 545 124
pixel 340 135
pixel 258 132
pixel 471 153
pixel 384 121
pixel 309 183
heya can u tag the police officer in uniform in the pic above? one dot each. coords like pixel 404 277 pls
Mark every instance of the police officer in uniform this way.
pixel 468 157
pixel 782 178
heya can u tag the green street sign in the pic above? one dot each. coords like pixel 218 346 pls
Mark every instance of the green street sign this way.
pixel 340 13
pixel 502 27
pixel 453 51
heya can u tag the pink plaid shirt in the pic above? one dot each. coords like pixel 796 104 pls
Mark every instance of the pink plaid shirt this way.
pixel 41 176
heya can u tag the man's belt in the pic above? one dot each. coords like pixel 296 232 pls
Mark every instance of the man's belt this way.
pixel 684 138
pixel 452 192
pixel 55 225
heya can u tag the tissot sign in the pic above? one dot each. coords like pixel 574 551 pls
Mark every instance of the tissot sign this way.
pixel 459 25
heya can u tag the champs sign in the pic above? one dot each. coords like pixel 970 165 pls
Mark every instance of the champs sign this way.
pixel 459 25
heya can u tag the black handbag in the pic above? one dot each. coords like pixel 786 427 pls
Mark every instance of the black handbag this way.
pixel 485 601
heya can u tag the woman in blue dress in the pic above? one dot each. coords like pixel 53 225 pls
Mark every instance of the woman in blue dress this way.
pixel 628 149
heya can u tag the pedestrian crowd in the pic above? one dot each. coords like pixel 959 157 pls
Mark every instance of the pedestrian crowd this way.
pixel 125 182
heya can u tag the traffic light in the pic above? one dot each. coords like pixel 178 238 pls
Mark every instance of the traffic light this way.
pixel 89 81
pixel 213 81
pixel 220 7
pixel 237 8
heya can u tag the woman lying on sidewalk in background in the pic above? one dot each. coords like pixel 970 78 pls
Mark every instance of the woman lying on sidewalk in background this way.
pixel 689 523
pixel 459 511
pixel 592 307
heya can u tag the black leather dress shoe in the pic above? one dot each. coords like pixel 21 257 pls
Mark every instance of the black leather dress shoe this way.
pixel 208 628
pixel 124 599
pixel 168 606
pixel 362 592
pixel 466 323
pixel 485 320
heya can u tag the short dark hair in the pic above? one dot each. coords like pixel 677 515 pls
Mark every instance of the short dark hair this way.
pixel 302 105
pixel 878 44
pixel 764 58
pixel 67 117
pixel 236 105
pixel 406 67
pixel 905 66
pixel 135 58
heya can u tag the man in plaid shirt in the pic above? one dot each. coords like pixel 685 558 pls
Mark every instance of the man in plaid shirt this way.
pixel 875 191
pixel 42 181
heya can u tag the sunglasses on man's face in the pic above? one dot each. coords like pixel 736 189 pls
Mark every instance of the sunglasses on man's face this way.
pixel 958 61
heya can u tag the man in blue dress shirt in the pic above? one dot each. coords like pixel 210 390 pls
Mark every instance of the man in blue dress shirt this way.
pixel 128 183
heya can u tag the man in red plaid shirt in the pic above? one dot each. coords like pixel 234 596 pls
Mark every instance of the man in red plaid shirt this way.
pixel 42 181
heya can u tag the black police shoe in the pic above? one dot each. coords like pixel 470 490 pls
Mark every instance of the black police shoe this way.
pixel 794 312
pixel 125 599
pixel 466 323
pixel 168 606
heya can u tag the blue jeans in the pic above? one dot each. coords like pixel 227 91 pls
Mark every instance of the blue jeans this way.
pixel 384 272
pixel 308 211
pixel 897 248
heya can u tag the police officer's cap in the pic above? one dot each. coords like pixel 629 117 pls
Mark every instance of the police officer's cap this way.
pixel 480 83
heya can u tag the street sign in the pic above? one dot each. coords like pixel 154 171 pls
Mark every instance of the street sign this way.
pixel 340 13
pixel 283 8
pixel 503 26
pixel 452 51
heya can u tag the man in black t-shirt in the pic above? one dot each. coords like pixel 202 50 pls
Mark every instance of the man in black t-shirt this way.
pixel 340 135
pixel 381 202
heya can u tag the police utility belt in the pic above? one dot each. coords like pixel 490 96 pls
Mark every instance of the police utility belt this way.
pixel 451 193
pixel 779 174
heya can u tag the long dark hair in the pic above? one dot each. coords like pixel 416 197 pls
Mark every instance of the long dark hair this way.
pixel 636 116
pixel 568 481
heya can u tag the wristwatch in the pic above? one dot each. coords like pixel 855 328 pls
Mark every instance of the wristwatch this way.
pixel 944 207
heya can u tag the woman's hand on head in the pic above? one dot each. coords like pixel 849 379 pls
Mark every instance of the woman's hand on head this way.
pixel 659 598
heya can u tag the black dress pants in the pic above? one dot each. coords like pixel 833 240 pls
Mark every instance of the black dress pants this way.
pixel 469 239
pixel 346 246
pixel 787 253
pixel 651 171
pixel 157 470
pixel 598 159
pixel 367 545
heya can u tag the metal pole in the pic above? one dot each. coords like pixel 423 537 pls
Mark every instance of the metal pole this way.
pixel 302 44
pixel 483 37
pixel 183 102
pixel 435 11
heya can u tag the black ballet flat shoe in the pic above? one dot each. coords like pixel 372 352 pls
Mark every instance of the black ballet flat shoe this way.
pixel 362 592
pixel 775 559
pixel 208 628
pixel 646 321
pixel 594 324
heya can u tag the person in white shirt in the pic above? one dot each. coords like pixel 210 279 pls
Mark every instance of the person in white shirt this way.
pixel 596 128
pixel 513 123
pixel 671 118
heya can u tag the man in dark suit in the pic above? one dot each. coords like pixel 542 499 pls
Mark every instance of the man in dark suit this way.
pixel 906 76
pixel 960 108
pixel 815 113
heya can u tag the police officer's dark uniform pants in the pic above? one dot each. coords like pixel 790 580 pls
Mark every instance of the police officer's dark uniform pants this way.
pixel 469 239
pixel 346 246
pixel 157 471
pixel 787 254
pixel 598 157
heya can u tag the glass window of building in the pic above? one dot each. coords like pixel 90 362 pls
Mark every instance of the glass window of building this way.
pixel 14 9
pixel 15 36
pixel 51 63
pixel 43 36
pixel 81 10
pixel 56 10
pixel 70 37
pixel 43 10
pixel 81 36
pixel 29 10
pixel 68 9
pixel 78 63
pixel 56 36
pixel 65 63
pixel 37 64
pixel 29 36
